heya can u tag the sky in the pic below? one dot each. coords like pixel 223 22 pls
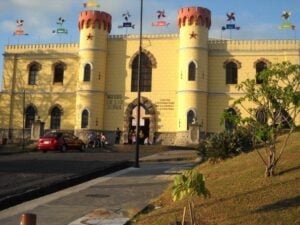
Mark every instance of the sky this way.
pixel 257 19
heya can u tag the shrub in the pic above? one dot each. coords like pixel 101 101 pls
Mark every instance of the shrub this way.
pixel 226 144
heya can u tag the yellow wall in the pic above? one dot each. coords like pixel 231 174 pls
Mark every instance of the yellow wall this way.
pixel 113 90
pixel 121 51
pixel 44 94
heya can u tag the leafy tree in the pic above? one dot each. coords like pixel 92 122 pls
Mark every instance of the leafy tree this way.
pixel 271 107
pixel 188 184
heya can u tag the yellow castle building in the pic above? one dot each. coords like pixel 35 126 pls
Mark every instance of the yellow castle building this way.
pixel 186 79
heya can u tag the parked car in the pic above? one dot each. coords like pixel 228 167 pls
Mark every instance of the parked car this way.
pixel 58 140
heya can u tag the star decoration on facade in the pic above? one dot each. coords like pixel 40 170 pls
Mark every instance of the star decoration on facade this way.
pixel 193 35
pixel 89 37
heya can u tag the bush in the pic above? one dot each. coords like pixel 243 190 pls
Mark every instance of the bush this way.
pixel 226 144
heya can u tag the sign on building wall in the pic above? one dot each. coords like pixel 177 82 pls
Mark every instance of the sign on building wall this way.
pixel 165 104
pixel 114 102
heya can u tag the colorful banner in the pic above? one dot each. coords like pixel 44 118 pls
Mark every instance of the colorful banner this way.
pixel 160 24
pixel 230 27
pixel 287 25
pixel 20 32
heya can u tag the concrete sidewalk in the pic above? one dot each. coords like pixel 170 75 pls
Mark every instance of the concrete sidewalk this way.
pixel 110 200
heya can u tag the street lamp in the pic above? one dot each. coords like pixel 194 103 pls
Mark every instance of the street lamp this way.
pixel 24 118
pixel 137 146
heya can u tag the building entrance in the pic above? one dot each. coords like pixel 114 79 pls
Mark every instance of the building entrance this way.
pixel 147 122
pixel 144 129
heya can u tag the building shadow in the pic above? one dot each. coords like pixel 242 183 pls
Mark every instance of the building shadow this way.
pixel 281 205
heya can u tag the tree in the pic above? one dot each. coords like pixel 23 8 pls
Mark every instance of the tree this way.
pixel 271 107
pixel 190 183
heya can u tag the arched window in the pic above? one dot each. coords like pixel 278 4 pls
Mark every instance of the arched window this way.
pixel 229 124
pixel 262 116
pixel 55 118
pixel 145 76
pixel 231 73
pixel 260 66
pixel 87 72
pixel 58 73
pixel 190 118
pixel 84 119
pixel 192 72
pixel 29 116
pixel 33 71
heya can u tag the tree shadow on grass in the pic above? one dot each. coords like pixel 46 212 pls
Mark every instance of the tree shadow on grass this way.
pixel 281 205
pixel 289 170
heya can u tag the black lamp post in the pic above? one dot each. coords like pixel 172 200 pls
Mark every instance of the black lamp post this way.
pixel 137 146
pixel 24 117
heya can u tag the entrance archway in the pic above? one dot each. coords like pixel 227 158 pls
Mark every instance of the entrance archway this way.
pixel 148 121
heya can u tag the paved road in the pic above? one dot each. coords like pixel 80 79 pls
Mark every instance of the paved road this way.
pixel 37 173
pixel 112 199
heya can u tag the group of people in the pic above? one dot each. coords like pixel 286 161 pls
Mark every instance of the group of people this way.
pixel 96 140
pixel 132 138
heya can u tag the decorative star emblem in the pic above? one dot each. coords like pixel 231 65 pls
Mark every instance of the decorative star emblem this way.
pixel 193 35
pixel 89 37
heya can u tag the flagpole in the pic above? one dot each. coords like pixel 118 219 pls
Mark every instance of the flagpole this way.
pixel 137 146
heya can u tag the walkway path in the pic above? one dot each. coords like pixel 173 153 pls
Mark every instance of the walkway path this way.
pixel 109 200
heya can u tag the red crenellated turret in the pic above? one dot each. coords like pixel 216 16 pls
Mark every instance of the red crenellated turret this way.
pixel 191 15
pixel 94 19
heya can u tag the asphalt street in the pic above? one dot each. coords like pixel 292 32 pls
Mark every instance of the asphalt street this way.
pixel 24 176
pixel 111 199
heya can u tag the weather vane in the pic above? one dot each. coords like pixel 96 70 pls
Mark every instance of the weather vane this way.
pixel 126 24
pixel 160 23
pixel 285 15
pixel 20 31
pixel 60 29
pixel 231 25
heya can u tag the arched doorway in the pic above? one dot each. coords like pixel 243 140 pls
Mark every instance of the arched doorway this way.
pixel 147 119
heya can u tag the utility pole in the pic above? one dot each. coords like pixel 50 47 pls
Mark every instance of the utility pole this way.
pixel 23 130
pixel 137 147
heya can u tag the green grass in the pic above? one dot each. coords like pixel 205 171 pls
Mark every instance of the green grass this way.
pixel 240 194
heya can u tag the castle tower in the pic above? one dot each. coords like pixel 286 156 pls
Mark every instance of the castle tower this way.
pixel 94 27
pixel 193 23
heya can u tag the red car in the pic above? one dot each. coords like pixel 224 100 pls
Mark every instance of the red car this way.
pixel 57 140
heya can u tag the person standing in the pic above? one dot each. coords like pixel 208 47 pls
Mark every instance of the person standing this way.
pixel 103 140
pixel 133 137
pixel 118 136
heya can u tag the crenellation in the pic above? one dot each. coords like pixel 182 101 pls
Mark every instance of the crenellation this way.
pixel 261 45
pixel 194 15
pixel 42 47
pixel 94 18
pixel 152 36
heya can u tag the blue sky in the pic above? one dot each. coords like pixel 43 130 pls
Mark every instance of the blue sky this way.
pixel 258 19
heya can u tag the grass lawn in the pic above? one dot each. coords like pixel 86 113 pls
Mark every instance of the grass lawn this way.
pixel 240 194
